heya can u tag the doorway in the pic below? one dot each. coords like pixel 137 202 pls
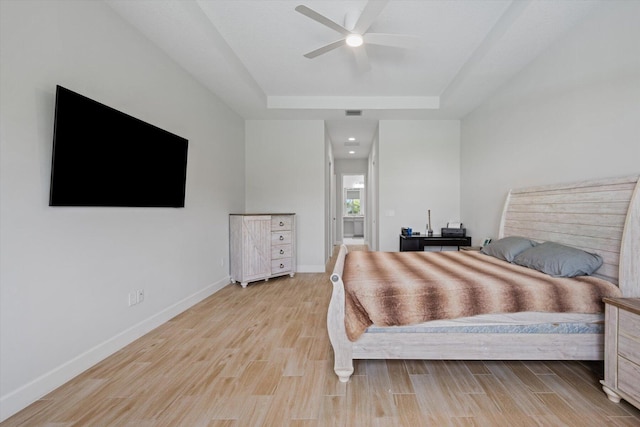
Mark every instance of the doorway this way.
pixel 353 209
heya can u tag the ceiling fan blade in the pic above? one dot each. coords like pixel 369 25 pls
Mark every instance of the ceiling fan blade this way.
pixel 362 59
pixel 325 49
pixel 395 40
pixel 322 19
pixel 368 15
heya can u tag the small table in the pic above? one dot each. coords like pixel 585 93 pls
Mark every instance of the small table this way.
pixel 622 350
pixel 418 243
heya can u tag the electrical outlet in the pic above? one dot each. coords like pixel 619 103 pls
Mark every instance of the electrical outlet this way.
pixel 222 262
pixel 132 299
pixel 140 295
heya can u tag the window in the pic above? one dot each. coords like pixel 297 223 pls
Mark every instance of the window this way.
pixel 352 202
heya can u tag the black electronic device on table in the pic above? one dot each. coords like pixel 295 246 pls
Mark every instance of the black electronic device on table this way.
pixel 453 230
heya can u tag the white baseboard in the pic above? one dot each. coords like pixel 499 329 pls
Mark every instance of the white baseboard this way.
pixel 22 397
pixel 310 269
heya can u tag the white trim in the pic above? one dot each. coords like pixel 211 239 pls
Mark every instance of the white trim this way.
pixel 22 397
pixel 311 269
pixel 354 102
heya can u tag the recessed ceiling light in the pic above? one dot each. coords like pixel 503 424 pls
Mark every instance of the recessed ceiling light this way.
pixel 354 40
pixel 352 152
pixel 351 138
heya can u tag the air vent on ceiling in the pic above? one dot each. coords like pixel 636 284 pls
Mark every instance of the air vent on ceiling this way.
pixel 353 112
pixel 352 144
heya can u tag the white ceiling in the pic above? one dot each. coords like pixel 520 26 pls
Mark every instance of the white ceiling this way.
pixel 250 53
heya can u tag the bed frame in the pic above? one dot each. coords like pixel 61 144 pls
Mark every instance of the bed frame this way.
pixel 600 216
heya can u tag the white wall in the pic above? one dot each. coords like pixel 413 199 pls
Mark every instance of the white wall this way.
pixel 353 181
pixel 419 169
pixel 66 273
pixel 285 173
pixel 572 114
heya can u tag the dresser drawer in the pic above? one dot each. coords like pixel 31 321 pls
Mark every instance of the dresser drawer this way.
pixel 280 266
pixel 281 238
pixel 280 251
pixel 629 348
pixel 280 222
pixel 629 324
pixel 628 374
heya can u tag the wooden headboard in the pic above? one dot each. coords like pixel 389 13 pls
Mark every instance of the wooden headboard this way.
pixel 599 216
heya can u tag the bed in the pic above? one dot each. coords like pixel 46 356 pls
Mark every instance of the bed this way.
pixel 598 216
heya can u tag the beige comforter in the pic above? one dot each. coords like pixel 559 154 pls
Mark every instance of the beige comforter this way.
pixel 403 288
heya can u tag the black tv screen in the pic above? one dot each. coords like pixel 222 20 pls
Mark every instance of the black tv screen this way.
pixel 103 157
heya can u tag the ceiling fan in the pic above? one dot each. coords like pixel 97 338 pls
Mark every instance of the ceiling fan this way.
pixel 355 33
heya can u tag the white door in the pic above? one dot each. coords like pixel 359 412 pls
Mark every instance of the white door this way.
pixel 333 212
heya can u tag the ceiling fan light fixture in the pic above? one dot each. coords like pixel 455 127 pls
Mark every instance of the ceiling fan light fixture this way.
pixel 354 40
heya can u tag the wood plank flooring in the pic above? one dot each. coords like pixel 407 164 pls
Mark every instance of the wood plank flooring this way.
pixel 260 356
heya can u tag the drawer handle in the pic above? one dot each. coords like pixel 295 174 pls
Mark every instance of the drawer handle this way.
pixel 281 224
pixel 281 251
pixel 281 237
pixel 281 265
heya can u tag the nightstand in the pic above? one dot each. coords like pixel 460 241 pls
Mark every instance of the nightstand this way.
pixel 622 350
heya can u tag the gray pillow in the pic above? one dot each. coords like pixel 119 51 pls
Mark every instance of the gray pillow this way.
pixel 558 260
pixel 508 247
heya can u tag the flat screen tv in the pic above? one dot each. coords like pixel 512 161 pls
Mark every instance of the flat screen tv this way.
pixel 103 157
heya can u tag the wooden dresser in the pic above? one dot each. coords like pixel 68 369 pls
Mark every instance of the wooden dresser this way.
pixel 622 350
pixel 261 246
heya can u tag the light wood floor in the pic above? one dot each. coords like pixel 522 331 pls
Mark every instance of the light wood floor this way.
pixel 260 356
